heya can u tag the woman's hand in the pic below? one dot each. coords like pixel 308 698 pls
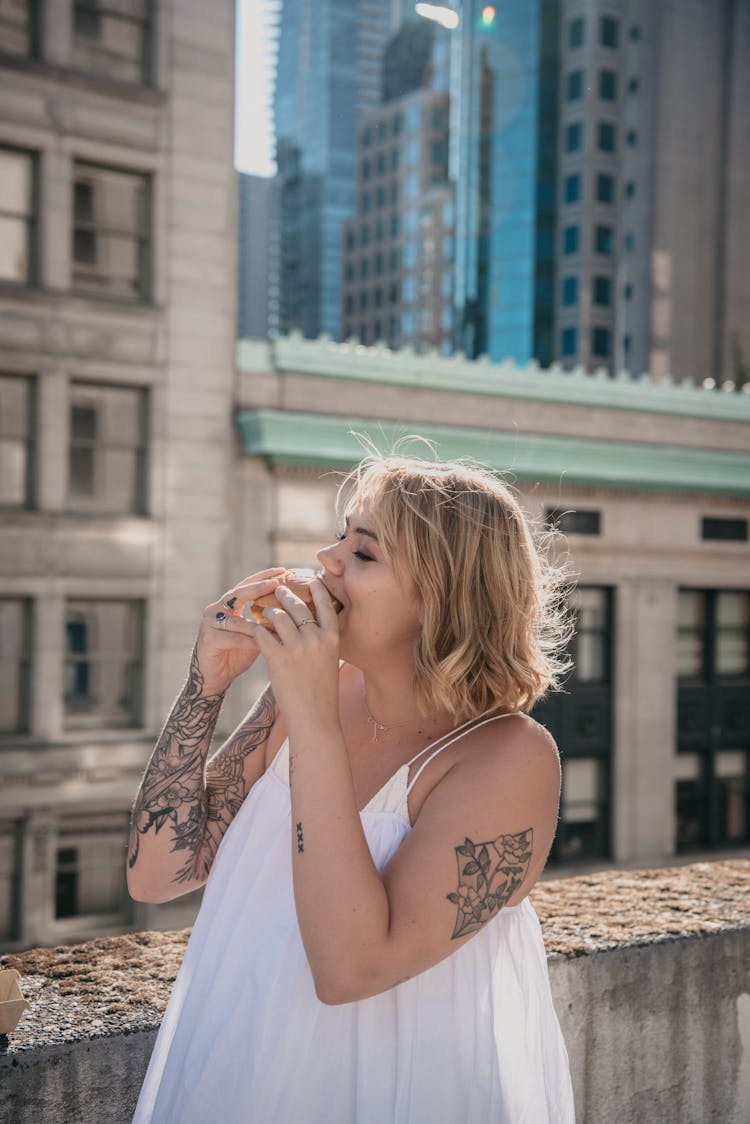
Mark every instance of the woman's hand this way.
pixel 302 655
pixel 226 644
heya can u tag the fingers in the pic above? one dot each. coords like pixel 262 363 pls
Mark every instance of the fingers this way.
pixel 251 588
pixel 324 609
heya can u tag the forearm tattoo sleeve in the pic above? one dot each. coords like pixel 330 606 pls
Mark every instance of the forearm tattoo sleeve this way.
pixel 179 794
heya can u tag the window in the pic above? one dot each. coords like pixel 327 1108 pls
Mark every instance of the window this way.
pixel 573 137
pixel 574 85
pixel 407 290
pixel 378 304
pixel 18 209
pixel 103 664
pixel 608 32
pixel 629 241
pixel 712 766
pixel 576 31
pixel 350 241
pixel 349 271
pixel 365 169
pixel 89 878
pixel 633 85
pixel 584 809
pixel 16 440
pixel 631 138
pixel 364 235
pixel 608 85
pixel 398 124
pixel 363 267
pixel 601 342
pixel 15 630
pixel 363 333
pixel 412 150
pixel 629 189
pixel 395 158
pixel 569 341
pixel 378 263
pixel 572 188
pixel 412 117
pixel 380 163
pixel 602 290
pixel 606 136
pixel 635 32
pixel 723 530
pixel 603 239
pixel 570 290
pixel 394 226
pixel 411 187
pixel 627 291
pixel 366 138
pixel 381 131
pixel 349 305
pixel 571 239
pixel 363 301
pixel 111 233
pixel 605 188
pixel 107 452
pixel 364 202
pixel 379 197
pixel 394 259
pixel 113 38
pixel 574 522
pixel 379 230
pixel 19 31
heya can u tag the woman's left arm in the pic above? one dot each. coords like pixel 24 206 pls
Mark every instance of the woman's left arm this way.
pixel 480 841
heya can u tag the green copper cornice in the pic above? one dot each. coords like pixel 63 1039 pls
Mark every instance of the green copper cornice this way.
pixel 456 374
pixel 281 437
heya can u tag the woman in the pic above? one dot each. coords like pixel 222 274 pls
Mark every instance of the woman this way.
pixel 366 951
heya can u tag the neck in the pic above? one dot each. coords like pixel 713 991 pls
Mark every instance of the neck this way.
pixel 392 709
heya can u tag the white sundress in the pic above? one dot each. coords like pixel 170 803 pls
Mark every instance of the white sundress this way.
pixel 245 1040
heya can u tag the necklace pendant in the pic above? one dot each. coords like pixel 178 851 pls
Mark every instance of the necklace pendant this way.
pixel 375 726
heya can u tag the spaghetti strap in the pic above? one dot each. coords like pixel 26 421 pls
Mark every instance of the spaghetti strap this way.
pixel 453 736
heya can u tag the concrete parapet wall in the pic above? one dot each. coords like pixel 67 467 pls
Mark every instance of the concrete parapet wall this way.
pixel 651 984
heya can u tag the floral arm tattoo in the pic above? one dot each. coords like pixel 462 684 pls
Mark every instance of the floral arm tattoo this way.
pixel 196 803
pixel 488 876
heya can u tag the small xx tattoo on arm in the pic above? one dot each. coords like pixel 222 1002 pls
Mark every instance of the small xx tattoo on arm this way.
pixel 300 839
pixel 488 876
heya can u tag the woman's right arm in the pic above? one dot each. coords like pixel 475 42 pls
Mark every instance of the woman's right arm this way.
pixel 185 803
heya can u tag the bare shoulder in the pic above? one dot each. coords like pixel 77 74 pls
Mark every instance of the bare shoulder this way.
pixel 515 746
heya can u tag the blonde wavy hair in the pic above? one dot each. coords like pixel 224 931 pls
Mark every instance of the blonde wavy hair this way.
pixel 494 621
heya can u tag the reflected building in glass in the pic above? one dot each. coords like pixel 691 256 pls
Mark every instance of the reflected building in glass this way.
pixel 329 55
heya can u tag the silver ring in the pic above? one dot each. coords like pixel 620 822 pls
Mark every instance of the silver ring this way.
pixel 307 620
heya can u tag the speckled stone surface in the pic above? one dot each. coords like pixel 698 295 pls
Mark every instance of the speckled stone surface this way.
pixel 121 985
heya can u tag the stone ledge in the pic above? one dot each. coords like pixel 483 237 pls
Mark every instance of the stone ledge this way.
pixel 121 985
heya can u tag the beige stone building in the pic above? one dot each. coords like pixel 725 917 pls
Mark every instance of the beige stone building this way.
pixel 117 325
pixel 142 471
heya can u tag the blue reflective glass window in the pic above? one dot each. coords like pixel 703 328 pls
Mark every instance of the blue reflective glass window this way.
pixel 603 239
pixel 608 85
pixel 606 136
pixel 571 239
pixel 572 190
pixel 601 342
pixel 570 290
pixel 605 188
pixel 573 137
pixel 602 290
pixel 576 31
pixel 569 341
pixel 574 85
pixel 609 31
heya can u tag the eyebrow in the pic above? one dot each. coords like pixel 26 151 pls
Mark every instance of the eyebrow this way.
pixel 364 531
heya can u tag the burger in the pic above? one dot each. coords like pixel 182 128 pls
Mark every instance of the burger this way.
pixel 298 582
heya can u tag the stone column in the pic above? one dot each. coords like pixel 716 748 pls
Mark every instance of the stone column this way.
pixel 643 787
pixel 38 842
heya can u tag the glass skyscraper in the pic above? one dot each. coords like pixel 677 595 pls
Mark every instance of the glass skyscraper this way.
pixel 504 113
pixel 327 58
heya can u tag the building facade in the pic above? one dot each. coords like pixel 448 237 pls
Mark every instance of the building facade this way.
pixel 257 258
pixel 328 58
pixel 117 335
pixel 397 269
pixel 601 162
pixel 650 485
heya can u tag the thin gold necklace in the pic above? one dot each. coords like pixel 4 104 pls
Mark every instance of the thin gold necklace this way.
pixel 381 727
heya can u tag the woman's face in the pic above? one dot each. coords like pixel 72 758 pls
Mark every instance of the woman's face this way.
pixel 381 614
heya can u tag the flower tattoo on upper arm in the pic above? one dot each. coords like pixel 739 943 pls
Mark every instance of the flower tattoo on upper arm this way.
pixel 488 876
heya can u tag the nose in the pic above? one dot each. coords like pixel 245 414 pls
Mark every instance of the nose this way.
pixel 331 559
